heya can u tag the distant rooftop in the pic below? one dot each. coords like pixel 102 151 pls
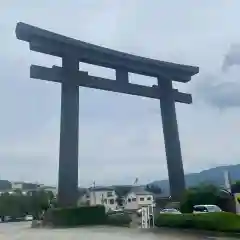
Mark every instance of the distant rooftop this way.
pixel 100 188
pixel 140 190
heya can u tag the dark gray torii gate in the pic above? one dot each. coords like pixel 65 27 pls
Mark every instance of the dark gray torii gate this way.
pixel 72 52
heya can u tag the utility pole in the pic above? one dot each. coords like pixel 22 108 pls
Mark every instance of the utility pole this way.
pixel 94 193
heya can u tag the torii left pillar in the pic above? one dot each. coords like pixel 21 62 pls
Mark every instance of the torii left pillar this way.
pixel 68 153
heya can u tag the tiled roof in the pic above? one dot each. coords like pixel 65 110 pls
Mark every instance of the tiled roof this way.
pixel 99 189
pixel 140 190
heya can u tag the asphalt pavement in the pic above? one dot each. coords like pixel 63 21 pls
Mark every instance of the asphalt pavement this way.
pixel 23 231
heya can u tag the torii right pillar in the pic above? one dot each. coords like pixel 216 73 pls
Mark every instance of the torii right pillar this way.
pixel 171 139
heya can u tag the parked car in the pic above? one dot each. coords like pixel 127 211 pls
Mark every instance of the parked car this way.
pixel 139 212
pixel 28 218
pixel 170 211
pixel 7 218
pixel 206 208
pixel 115 211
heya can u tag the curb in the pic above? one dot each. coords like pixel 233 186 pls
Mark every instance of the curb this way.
pixel 198 232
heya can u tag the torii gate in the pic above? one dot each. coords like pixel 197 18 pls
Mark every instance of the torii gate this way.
pixel 72 52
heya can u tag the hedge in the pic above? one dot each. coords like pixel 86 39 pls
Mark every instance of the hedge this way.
pixel 119 219
pixel 76 216
pixel 80 216
pixel 222 222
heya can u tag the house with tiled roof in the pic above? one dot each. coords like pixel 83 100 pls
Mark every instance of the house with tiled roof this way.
pixel 137 198
pixel 100 196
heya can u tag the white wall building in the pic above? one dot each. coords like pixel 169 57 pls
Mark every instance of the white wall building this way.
pixel 100 196
pixel 24 186
pixel 17 185
pixel 138 198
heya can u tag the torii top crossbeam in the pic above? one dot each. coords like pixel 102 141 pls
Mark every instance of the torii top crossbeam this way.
pixel 57 45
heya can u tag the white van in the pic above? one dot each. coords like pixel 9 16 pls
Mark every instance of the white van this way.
pixel 206 208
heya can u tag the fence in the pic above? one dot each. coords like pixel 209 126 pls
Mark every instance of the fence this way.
pixel 147 216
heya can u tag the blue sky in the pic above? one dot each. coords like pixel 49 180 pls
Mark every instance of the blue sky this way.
pixel 120 137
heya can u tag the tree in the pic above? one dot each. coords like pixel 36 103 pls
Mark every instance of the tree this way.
pixel 153 189
pixel 13 205
pixel 236 187
pixel 39 201
pixel 207 194
pixel 121 192
pixel 202 194
pixel 18 205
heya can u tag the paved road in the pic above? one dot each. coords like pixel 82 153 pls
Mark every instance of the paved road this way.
pixel 22 231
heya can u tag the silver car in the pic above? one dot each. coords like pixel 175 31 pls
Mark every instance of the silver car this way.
pixel 170 211
pixel 206 208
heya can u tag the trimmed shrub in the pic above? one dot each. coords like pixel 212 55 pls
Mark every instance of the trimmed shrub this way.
pixel 77 216
pixel 119 219
pixel 222 222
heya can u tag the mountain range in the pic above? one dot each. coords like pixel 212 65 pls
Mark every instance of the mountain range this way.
pixel 212 176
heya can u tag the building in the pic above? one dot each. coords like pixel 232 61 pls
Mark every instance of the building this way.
pixel 138 197
pixel 5 185
pixel 100 196
pixel 24 186
pixel 29 188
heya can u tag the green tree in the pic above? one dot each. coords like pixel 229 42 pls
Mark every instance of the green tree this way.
pixel 38 202
pixel 236 187
pixel 18 205
pixel 202 194
pixel 153 189
pixel 121 192
pixel 12 205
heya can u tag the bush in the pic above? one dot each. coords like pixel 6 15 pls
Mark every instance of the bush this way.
pixel 76 216
pixel 222 222
pixel 207 194
pixel 119 219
